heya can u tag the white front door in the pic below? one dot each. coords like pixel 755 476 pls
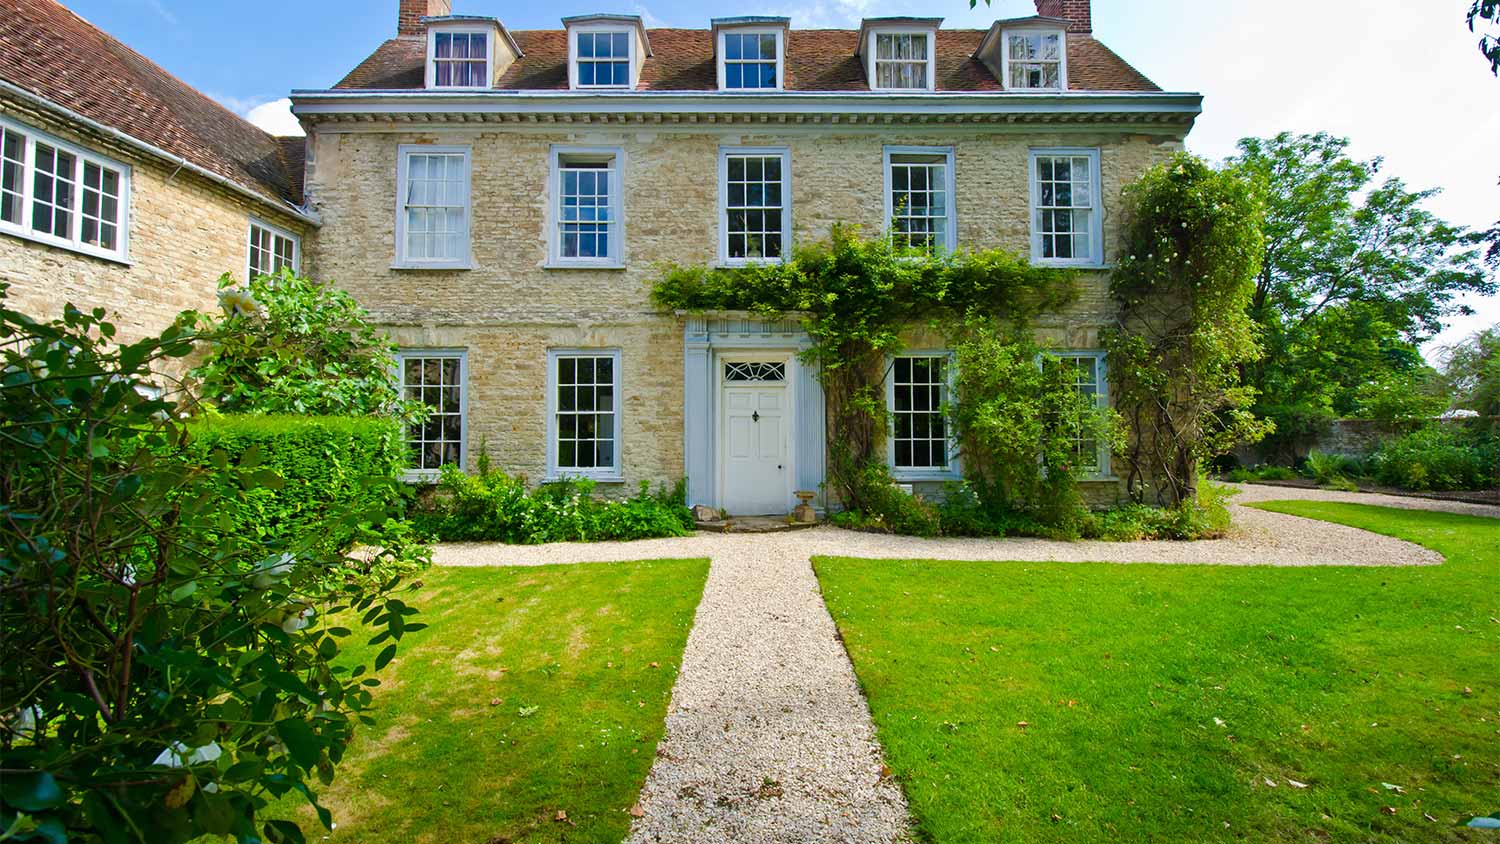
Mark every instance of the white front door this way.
pixel 755 465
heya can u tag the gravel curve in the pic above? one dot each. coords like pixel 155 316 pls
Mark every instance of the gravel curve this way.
pixel 768 738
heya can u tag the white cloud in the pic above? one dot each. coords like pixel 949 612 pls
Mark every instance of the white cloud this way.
pixel 275 117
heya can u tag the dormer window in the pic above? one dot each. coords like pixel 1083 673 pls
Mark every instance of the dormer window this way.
pixel 603 58
pixel 899 53
pixel 752 60
pixel 1034 60
pixel 903 60
pixel 460 59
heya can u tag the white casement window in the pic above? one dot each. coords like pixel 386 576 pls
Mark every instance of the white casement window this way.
pixel 587 218
pixel 755 202
pixel 459 58
pixel 1089 377
pixel 432 213
pixel 750 60
pixel 436 378
pixel 271 250
pixel 602 58
pixel 583 413
pixel 1035 61
pixel 916 394
pixel 919 197
pixel 903 61
pixel 60 194
pixel 1065 215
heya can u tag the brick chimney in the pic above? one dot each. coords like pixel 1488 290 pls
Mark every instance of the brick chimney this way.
pixel 409 18
pixel 1077 12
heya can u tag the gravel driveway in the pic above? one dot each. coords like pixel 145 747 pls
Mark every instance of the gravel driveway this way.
pixel 768 738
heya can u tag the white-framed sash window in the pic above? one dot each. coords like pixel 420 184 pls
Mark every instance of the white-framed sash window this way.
pixel 602 57
pixel 61 194
pixel 437 378
pixel 1066 225
pixel 584 413
pixel 903 61
pixel 270 249
pixel 750 60
pixel 1035 60
pixel 919 197
pixel 587 214
pixel 755 204
pixel 432 207
pixel 1089 376
pixel 459 58
pixel 918 387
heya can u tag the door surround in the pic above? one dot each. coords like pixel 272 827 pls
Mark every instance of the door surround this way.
pixel 787 357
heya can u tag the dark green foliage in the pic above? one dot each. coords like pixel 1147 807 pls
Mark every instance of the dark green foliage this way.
pixel 1332 469
pixel 165 675
pixel 300 346
pixel 888 509
pixel 495 507
pixel 965 512
pixel 855 296
pixel 1472 372
pixel 328 465
pixel 1439 457
pixel 1261 473
pixel 1191 249
pixel 1481 11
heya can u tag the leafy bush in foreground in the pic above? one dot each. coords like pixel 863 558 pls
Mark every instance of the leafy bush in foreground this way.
pixel 491 506
pixel 166 675
pixel 1438 457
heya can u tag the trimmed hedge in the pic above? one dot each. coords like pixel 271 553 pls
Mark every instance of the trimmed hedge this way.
pixel 330 466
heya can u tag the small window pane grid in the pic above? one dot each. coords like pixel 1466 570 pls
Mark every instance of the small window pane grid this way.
pixel 754 371
pixel 12 172
pixel 1065 206
pixel 585 412
pixel 919 201
pixel 920 436
pixel 459 60
pixel 437 382
pixel 754 206
pixel 749 61
pixel 436 191
pixel 586 215
pixel 901 60
pixel 1085 373
pixel 270 251
pixel 1035 61
pixel 604 59
pixel 52 192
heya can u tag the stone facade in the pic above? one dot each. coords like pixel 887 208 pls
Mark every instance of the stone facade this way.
pixel 511 307
pixel 185 231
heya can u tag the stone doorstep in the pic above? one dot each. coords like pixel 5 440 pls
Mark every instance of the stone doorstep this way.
pixel 753 524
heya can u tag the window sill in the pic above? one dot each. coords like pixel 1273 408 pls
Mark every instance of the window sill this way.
pixel 424 477
pixel 421 267
pixel 741 263
pixel 67 246
pixel 924 477
pixel 1100 479
pixel 555 477
pixel 582 265
pixel 1070 265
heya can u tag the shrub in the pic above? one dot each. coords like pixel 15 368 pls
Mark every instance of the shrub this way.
pixel 1206 517
pixel 887 508
pixel 1438 457
pixel 328 465
pixel 166 676
pixel 491 506
pixel 1330 469
pixel 303 347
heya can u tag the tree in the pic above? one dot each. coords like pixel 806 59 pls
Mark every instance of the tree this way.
pixel 1472 370
pixel 1190 253
pixel 1489 42
pixel 1354 276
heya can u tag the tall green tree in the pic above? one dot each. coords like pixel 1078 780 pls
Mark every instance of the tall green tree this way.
pixel 1355 275
pixel 1472 371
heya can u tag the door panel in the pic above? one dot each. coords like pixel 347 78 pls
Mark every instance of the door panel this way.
pixel 756 468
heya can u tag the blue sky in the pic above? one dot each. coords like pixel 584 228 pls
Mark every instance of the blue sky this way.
pixel 1401 78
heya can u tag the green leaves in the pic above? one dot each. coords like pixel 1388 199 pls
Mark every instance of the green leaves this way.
pixel 30 792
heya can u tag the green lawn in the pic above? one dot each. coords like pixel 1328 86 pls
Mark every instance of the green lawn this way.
pixel 534 691
pixel 1043 702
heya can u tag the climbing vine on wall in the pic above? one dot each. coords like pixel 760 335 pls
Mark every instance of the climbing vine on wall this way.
pixel 855 296
pixel 1190 253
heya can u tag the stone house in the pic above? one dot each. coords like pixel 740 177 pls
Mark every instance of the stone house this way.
pixel 121 186
pixel 502 201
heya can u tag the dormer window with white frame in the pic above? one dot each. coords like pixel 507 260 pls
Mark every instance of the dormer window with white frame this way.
pixel 605 52
pixel 459 58
pixel 903 61
pixel 751 53
pixel 1034 60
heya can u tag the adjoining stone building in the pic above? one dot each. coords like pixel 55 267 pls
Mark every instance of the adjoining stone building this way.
pixel 502 201
pixel 124 188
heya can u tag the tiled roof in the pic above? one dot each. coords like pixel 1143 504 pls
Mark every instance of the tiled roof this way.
pixel 58 56
pixel 683 60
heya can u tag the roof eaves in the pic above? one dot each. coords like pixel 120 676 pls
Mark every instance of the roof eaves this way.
pixel 635 20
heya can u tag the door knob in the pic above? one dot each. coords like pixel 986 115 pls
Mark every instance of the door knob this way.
pixel 755 417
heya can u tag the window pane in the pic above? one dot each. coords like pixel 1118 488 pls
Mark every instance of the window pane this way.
pixel 584 421
pixel 919 431
pixel 753 210
pixel 435 381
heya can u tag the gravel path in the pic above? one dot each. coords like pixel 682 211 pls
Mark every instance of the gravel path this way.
pixel 768 738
